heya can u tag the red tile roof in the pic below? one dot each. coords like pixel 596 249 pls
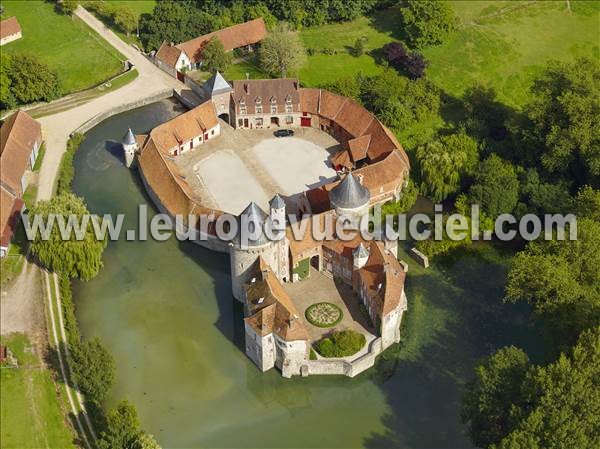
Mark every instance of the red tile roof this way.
pixel 185 127
pixel 168 54
pixel 10 211
pixel 232 37
pixel 18 135
pixel 9 27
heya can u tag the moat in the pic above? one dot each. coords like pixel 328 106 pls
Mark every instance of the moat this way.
pixel 166 313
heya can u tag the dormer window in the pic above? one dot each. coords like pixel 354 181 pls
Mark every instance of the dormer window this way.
pixel 273 105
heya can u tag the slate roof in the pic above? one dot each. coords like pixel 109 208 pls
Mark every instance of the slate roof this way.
pixel 349 194
pixel 216 84
pixel 129 138
pixel 277 90
pixel 255 216
pixel 277 202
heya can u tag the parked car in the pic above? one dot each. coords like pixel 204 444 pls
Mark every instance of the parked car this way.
pixel 283 133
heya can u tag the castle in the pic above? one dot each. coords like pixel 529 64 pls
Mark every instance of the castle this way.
pixel 374 169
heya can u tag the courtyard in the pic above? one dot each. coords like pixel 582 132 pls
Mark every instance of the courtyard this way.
pixel 240 166
pixel 319 287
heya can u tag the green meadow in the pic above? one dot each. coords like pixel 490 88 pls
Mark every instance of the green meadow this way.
pixel 31 412
pixel 68 46
pixel 499 44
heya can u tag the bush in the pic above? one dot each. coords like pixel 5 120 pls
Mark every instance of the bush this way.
pixel 426 22
pixel 93 370
pixel 341 344
pixel 66 171
pixel 25 80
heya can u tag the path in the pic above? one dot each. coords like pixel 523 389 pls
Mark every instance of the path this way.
pixel 56 128
pixel 21 306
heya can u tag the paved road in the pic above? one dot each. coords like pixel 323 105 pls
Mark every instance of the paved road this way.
pixel 57 127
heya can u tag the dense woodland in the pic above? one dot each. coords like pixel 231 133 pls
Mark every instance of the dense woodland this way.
pixel 541 159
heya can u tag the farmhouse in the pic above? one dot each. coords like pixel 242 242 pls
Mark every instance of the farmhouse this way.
pixel 175 59
pixel 375 171
pixel 10 30
pixel 265 103
pixel 20 141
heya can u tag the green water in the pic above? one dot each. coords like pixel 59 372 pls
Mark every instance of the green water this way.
pixel 165 311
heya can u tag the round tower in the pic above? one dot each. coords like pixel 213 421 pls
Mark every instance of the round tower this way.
pixel 350 198
pixel 246 249
pixel 130 146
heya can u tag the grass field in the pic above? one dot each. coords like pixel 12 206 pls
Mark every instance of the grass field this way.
pixel 138 6
pixel 67 45
pixel 505 44
pixel 31 413
pixel 500 44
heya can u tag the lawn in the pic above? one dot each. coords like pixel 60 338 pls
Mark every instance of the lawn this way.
pixel 138 6
pixel 506 50
pixel 11 265
pixel 67 45
pixel 500 44
pixel 31 412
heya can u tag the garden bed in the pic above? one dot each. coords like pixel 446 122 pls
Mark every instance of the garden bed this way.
pixel 324 314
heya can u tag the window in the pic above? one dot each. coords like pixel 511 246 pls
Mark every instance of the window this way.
pixel 289 120
pixel 273 109
pixel 242 110
pixel 240 122
pixel 288 108
pixel 258 109
pixel 259 122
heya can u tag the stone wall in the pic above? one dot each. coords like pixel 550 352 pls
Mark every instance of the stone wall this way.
pixel 165 93
pixel 209 241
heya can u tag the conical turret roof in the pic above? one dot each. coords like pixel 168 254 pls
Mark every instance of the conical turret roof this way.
pixel 277 202
pixel 360 251
pixel 350 193
pixel 129 138
pixel 216 84
pixel 255 216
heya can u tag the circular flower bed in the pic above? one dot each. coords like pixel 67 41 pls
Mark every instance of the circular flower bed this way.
pixel 324 314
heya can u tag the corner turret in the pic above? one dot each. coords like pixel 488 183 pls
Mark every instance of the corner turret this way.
pixel 130 146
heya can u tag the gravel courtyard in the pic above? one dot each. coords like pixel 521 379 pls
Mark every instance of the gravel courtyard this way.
pixel 241 166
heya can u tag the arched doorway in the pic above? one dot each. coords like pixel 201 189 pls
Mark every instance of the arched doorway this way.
pixel 315 262
pixel 275 121
pixel 225 117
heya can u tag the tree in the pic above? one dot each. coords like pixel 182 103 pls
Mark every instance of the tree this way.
pixel 587 203
pixel 214 56
pixel 496 187
pixel 443 163
pixel 395 52
pixel 561 279
pixel 93 370
pixel 493 397
pixel 7 99
pixel 426 22
pixel 415 65
pixel 565 114
pixel 544 197
pixel 254 11
pixel 563 401
pixel 514 405
pixel 66 7
pixel 359 47
pixel 80 253
pixel 412 63
pixel 145 441
pixel 348 86
pixel 122 428
pixel 281 52
pixel 172 21
pixel 30 80
pixel 125 18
